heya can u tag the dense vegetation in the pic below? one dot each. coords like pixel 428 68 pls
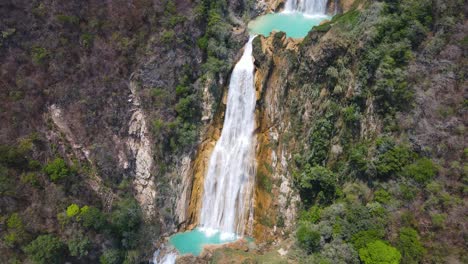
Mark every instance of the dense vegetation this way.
pixel 381 197
pixel 392 195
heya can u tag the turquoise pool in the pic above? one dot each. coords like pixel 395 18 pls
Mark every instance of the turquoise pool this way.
pixel 294 24
pixel 192 242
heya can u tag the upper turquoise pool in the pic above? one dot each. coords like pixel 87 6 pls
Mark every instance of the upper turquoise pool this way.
pixel 294 24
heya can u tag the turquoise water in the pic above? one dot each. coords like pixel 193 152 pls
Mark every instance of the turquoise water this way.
pixel 295 24
pixel 192 242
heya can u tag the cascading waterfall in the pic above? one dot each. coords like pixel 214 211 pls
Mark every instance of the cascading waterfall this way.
pixel 230 177
pixel 308 7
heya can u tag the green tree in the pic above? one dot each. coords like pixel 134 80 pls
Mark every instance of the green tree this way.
pixel 317 184
pixel 91 217
pixel 410 247
pixel 73 210
pixel 45 249
pixel 79 245
pixel 378 252
pixel 362 238
pixel 390 162
pixel 16 232
pixel 422 170
pixel 308 239
pixel 57 169
pixel 126 216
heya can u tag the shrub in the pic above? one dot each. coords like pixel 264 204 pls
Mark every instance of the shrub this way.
pixel 308 239
pixel 91 217
pixel 351 116
pixel 45 249
pixel 79 245
pixel 15 230
pixel 438 220
pixel 362 238
pixel 382 196
pixel 312 215
pixel 320 141
pixel 378 252
pixel 185 108
pixel 410 247
pixel 126 216
pixel 57 169
pixel 422 170
pixel 317 183
pixel 168 37
pixel 73 210
pixel 39 54
pixel 30 178
pixel 338 252
pixel 111 256
pixel 392 161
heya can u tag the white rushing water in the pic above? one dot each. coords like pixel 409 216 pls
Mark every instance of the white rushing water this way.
pixel 308 7
pixel 228 187
pixel 167 258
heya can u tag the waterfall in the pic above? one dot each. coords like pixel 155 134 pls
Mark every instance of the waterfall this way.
pixel 228 187
pixel 309 7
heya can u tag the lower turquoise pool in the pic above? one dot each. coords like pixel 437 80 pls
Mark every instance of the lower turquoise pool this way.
pixel 295 25
pixel 192 242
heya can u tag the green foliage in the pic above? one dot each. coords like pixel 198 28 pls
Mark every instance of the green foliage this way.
pixel 202 43
pixel 6 182
pixel 438 220
pixel 72 210
pixel 391 159
pixel 15 230
pixel 391 89
pixel 126 217
pixel 410 247
pixel 86 40
pixel 168 37
pixel 317 184
pixel 79 245
pixel 132 257
pixel 214 65
pixel 111 256
pixel 359 218
pixel 422 170
pixel 362 238
pixel 12 157
pixel 312 215
pixel 382 196
pixel 57 169
pixel 378 252
pixel 264 181
pixel 39 54
pixel 308 239
pixel 320 140
pixel 45 249
pixel 91 217
pixel 185 108
pixel 351 116
pixel 65 19
pixel 30 178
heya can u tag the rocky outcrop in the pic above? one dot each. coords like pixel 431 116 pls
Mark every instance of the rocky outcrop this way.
pixel 139 145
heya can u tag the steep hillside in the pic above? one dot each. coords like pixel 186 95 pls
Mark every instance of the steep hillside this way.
pixel 109 111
